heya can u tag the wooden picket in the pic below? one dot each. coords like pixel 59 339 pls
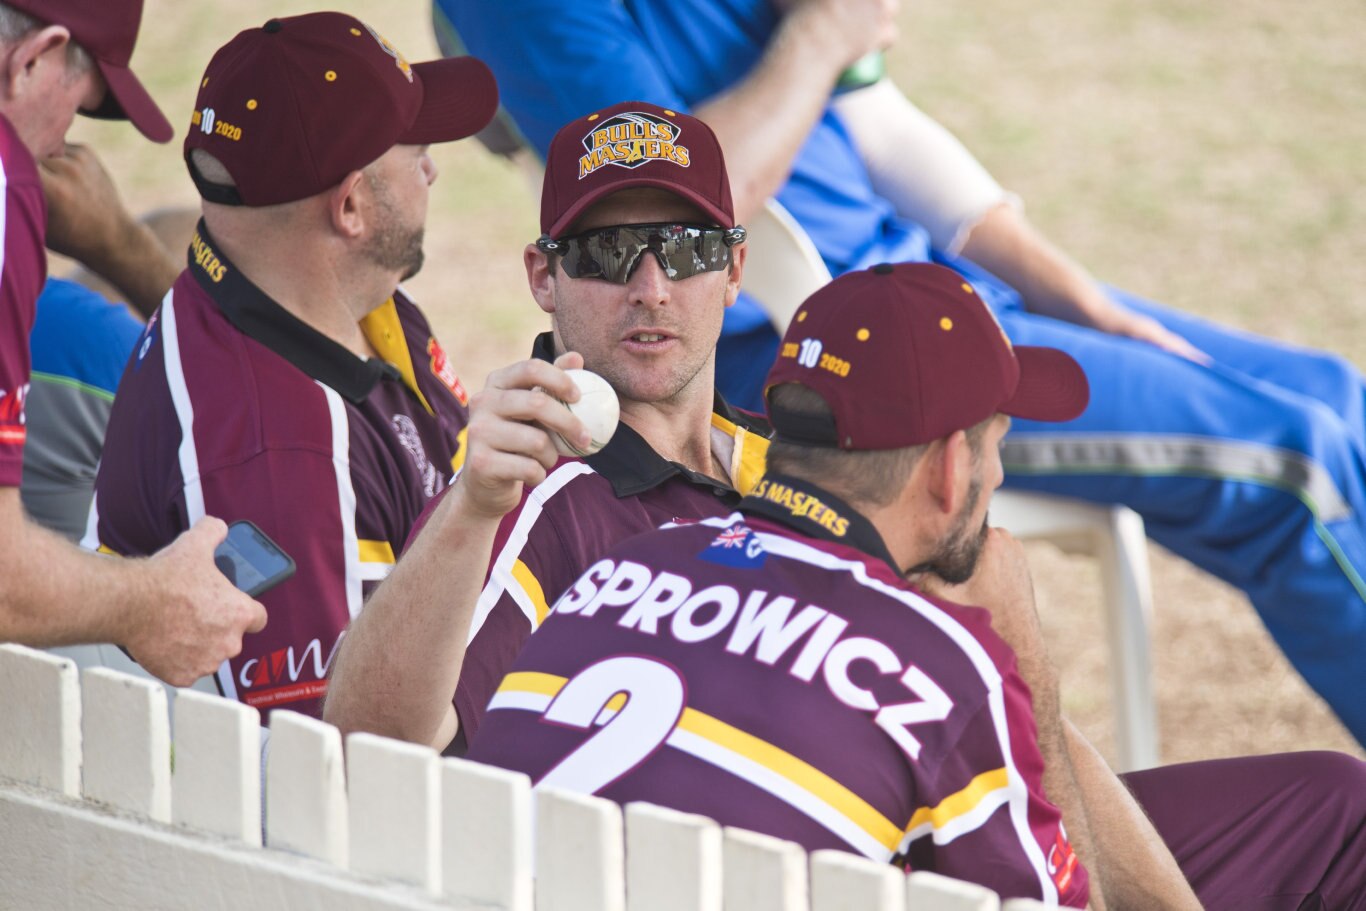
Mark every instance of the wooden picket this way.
pixel 96 808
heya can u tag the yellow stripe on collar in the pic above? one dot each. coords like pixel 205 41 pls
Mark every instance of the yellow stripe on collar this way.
pixel 385 334
pixel 748 458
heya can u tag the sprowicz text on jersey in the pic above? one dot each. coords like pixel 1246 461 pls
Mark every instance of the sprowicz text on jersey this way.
pixel 764 627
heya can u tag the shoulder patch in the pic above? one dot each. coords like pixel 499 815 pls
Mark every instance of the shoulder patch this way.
pixel 737 546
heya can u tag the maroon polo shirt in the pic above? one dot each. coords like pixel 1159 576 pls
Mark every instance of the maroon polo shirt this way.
pixel 232 407
pixel 569 520
pixel 772 670
pixel 22 272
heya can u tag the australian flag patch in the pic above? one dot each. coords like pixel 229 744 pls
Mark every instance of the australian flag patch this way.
pixel 738 547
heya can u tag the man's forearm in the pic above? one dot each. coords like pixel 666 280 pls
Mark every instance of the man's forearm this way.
pixel 786 92
pixel 397 669
pixel 1138 868
pixel 52 593
pixel 1051 282
pixel 1060 782
pixel 141 268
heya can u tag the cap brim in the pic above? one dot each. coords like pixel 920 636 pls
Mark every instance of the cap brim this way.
pixel 126 99
pixel 459 98
pixel 570 215
pixel 1052 387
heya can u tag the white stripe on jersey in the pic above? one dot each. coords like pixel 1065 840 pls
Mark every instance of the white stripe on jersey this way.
pixel 501 578
pixel 374 572
pixel 4 209
pixel 1018 794
pixel 188 455
pixel 346 496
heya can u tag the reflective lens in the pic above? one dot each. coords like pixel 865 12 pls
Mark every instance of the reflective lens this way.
pixel 613 253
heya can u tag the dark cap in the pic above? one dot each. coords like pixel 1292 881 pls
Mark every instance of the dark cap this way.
pixel 108 29
pixel 292 107
pixel 633 144
pixel 907 354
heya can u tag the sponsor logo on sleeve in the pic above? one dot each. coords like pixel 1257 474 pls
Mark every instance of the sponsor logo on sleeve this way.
pixel 443 371
pixel 629 140
pixel 150 333
pixel 1062 860
pixel 12 420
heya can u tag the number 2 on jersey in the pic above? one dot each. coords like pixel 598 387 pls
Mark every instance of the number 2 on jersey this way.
pixel 655 696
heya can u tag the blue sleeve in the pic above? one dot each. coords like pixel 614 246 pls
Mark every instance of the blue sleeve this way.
pixel 79 335
pixel 599 58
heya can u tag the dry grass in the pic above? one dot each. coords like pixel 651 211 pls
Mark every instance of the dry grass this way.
pixel 1206 155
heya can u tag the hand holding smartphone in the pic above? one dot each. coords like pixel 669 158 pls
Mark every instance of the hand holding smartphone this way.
pixel 250 560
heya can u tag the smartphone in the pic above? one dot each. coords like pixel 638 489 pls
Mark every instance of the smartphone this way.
pixel 250 560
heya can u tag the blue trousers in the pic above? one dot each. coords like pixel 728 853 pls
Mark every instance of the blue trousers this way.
pixel 1253 468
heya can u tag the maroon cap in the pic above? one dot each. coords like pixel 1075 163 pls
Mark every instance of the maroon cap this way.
pixel 108 29
pixel 633 144
pixel 292 107
pixel 907 354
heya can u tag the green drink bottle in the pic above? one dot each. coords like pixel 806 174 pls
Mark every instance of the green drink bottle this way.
pixel 862 72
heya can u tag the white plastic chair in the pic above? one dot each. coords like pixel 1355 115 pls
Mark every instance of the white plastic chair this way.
pixel 783 268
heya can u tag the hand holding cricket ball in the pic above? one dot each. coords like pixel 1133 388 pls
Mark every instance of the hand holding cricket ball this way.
pixel 597 407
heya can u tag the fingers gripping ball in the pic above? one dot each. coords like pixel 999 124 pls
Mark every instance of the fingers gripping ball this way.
pixel 597 407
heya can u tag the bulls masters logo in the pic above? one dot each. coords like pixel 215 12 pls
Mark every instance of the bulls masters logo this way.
pixel 631 139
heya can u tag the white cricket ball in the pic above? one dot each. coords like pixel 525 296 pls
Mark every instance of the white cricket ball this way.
pixel 597 407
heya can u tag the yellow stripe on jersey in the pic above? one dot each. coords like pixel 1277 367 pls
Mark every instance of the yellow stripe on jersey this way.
pixel 776 760
pixel 548 685
pixel 385 334
pixel 375 551
pixel 800 773
pixel 461 441
pixel 107 550
pixel 532 586
pixel 961 802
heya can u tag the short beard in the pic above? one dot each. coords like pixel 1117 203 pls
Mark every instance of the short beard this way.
pixel 393 246
pixel 393 249
pixel 956 559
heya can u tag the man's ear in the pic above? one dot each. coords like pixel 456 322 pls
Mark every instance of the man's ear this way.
pixel 949 461
pixel 47 44
pixel 738 255
pixel 540 277
pixel 348 204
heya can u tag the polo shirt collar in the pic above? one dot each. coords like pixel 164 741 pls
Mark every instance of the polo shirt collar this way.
pixel 629 463
pixel 256 315
pixel 815 512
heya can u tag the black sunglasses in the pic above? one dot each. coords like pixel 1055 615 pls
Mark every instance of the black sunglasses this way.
pixel 613 253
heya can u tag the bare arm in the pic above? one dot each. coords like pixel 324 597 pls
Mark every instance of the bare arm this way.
pixel 174 612
pixel 87 221
pixel 397 669
pixel 1128 864
pixel 1139 870
pixel 1053 284
pixel 788 90
pixel 1002 584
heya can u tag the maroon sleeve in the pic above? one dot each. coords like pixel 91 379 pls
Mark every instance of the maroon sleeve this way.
pixel 999 748
pixel 22 272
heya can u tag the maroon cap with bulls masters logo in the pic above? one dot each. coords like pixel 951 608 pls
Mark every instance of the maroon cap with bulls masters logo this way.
pixel 107 29
pixel 292 107
pixel 904 355
pixel 633 144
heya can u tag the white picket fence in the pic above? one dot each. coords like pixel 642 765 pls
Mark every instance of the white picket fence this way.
pixel 93 816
